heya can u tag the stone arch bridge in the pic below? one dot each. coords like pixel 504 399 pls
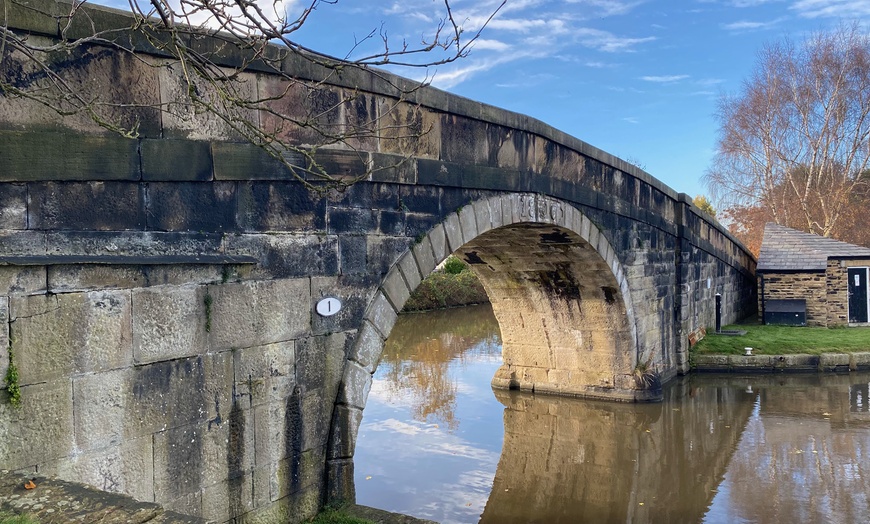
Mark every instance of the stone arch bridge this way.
pixel 157 294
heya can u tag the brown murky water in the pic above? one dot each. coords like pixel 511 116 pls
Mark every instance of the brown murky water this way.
pixel 437 442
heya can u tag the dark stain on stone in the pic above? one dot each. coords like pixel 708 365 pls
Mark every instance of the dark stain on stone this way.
pixel 473 258
pixel 236 459
pixel 609 294
pixel 293 439
pixel 560 283
pixel 556 237
pixel 217 420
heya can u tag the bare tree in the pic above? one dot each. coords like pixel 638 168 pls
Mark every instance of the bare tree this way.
pixel 797 138
pixel 193 38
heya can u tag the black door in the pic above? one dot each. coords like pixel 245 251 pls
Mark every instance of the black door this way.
pixel 857 294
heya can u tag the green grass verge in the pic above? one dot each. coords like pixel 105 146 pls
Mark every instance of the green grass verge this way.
pixel 784 340
pixel 336 516
pixel 7 517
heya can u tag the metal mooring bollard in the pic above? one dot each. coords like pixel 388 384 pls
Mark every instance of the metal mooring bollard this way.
pixel 718 313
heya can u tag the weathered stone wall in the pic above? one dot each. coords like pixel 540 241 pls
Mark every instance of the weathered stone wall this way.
pixel 808 286
pixel 157 293
pixel 837 289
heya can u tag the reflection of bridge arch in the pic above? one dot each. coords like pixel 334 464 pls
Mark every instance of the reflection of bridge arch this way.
pixel 558 291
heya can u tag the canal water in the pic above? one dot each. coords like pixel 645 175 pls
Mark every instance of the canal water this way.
pixel 437 442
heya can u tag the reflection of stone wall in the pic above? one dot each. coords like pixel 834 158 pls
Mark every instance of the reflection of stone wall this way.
pixel 807 457
pixel 568 460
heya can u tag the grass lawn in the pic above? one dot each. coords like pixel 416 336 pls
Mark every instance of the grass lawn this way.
pixel 11 518
pixel 783 340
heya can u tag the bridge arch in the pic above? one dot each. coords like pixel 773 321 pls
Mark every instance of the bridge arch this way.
pixel 558 291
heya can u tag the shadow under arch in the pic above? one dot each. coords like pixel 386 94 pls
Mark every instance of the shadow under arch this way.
pixel 559 294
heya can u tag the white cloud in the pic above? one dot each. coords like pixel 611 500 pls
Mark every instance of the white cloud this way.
pixel 631 120
pixel 665 79
pixel 608 42
pixel 748 25
pixel 490 45
pixel 607 7
pixel 832 8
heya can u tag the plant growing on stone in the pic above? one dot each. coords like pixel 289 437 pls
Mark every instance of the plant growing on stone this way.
pixel 646 376
pixel 211 48
pixel 11 380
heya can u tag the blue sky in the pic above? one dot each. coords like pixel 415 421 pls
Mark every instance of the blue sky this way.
pixel 637 78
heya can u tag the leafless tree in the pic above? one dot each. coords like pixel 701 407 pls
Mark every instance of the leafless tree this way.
pixel 259 35
pixel 796 139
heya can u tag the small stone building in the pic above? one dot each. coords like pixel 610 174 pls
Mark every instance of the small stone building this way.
pixel 816 279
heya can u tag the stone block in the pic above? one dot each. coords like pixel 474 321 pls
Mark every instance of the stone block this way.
pixel 169 322
pixel 345 428
pixel 438 238
pixel 262 483
pixel 410 271
pixel 189 504
pixel 39 431
pixel 424 255
pixel 859 361
pixel 353 250
pixel 354 291
pixel 56 336
pixel 482 216
pixel 355 385
pixel 297 473
pixel 453 229
pixel 176 160
pixel 265 373
pixel 13 206
pixel 319 363
pixel 130 244
pixel 381 314
pixel 393 168
pixel 834 361
pixel 178 206
pixel 395 288
pixel 183 119
pixel 367 347
pixel 255 313
pixel 468 223
pixel 225 500
pixel 31 156
pixel 317 414
pixel 246 161
pixel 22 280
pixel 116 405
pixel 4 339
pixel 126 467
pixel 83 206
pixel 280 206
pixel 287 255
pixel 190 458
pixel 340 486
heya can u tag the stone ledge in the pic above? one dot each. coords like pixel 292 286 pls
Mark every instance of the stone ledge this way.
pixel 121 260
pixel 58 501
pixel 826 362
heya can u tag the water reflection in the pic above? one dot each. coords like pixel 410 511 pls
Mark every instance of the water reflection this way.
pixel 438 443
pixel 418 358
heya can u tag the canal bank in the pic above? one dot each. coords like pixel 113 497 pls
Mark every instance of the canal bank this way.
pixel 825 362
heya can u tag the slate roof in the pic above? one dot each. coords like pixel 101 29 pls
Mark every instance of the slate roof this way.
pixel 786 249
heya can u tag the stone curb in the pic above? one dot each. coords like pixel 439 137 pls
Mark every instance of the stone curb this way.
pixel 826 362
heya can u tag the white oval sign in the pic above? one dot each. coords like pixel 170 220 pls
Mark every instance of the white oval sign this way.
pixel 328 306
